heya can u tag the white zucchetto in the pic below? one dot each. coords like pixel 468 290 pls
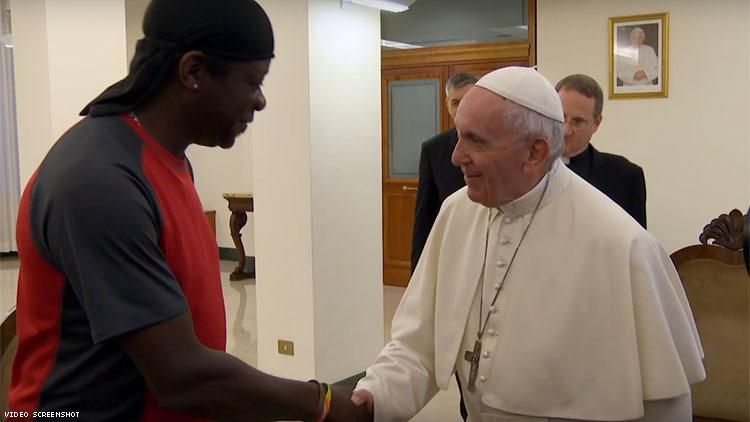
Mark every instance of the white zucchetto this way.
pixel 526 87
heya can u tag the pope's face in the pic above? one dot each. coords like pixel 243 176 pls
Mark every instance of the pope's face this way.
pixel 637 38
pixel 490 156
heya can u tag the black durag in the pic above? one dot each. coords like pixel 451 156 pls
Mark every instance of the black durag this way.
pixel 236 30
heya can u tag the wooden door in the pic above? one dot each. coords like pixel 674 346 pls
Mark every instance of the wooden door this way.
pixel 412 110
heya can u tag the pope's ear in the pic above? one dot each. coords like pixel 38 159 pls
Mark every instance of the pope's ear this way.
pixel 539 151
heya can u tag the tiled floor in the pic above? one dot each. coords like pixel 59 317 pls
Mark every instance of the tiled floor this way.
pixel 239 297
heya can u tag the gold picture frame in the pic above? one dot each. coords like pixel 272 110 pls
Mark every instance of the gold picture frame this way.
pixel 639 56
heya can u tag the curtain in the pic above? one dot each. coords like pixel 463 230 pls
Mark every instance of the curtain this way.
pixel 9 177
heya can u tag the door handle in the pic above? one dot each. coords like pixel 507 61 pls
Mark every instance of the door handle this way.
pixel 407 188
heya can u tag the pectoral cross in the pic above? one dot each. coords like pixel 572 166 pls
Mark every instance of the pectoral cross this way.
pixel 473 357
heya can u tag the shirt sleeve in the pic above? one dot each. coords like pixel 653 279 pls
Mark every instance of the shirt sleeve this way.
pixel 99 225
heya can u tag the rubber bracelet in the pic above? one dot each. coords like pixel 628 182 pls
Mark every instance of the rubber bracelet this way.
pixel 326 402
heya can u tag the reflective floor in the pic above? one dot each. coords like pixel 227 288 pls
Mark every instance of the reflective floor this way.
pixel 239 297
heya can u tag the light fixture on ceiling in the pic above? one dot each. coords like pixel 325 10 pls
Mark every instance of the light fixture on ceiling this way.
pixel 387 5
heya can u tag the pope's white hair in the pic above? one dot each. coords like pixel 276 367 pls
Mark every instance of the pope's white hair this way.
pixel 638 29
pixel 530 125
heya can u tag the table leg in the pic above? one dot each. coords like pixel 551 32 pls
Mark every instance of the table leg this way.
pixel 236 222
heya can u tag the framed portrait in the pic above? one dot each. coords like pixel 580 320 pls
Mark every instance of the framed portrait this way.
pixel 639 56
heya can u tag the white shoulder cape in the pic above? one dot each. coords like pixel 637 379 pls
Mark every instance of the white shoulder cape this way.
pixel 597 321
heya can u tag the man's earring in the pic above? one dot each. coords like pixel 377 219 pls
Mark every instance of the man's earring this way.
pixel 195 86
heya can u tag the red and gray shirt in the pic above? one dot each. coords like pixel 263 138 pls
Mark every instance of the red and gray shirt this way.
pixel 112 239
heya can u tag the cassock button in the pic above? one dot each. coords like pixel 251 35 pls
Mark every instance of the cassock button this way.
pixel 483 378
pixel 485 354
pixel 497 286
pixel 505 241
pixel 493 309
pixel 492 332
pixel 501 264
pixel 507 220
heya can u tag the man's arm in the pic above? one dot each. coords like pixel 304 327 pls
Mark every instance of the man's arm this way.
pixel 188 377
pixel 427 208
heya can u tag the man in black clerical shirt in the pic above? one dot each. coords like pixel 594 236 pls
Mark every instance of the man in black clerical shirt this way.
pixel 438 177
pixel 615 176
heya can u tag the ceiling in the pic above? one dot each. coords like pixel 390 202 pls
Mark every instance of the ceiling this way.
pixel 430 23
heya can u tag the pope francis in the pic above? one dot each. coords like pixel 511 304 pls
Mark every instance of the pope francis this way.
pixel 549 301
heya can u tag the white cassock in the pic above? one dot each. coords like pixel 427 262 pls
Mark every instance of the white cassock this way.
pixel 591 323
pixel 632 59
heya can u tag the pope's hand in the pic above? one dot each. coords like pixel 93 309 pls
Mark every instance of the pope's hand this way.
pixel 344 408
pixel 360 397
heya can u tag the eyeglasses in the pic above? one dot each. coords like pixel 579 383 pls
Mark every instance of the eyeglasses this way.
pixel 577 122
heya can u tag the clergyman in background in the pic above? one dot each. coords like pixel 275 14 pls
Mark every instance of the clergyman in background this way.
pixel 615 176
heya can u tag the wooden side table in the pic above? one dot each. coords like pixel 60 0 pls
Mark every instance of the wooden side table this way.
pixel 240 204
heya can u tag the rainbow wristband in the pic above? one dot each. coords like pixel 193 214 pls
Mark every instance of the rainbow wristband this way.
pixel 327 402
pixel 324 403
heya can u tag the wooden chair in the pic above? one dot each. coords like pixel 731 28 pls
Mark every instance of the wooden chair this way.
pixel 718 288
pixel 8 346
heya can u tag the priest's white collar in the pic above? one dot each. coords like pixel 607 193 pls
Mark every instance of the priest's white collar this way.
pixel 558 175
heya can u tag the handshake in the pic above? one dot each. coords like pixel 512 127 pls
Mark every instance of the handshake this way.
pixel 341 404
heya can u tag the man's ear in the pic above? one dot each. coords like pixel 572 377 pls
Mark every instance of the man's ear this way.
pixel 596 123
pixel 192 70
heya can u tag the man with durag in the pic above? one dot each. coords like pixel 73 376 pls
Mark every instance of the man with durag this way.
pixel 120 308
pixel 550 302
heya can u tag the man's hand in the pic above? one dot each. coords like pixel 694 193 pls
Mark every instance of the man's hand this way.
pixel 344 408
pixel 640 75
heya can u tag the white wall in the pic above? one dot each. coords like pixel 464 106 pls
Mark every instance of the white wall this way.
pixel 281 173
pixel 316 177
pixel 346 185
pixel 694 146
pixel 66 54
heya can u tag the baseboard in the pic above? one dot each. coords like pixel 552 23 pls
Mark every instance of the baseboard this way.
pixel 230 254
pixel 350 382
